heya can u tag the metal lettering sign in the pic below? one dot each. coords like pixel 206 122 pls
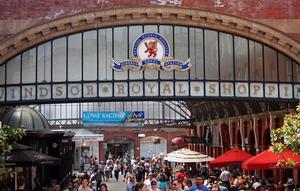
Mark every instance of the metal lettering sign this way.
pixel 151 51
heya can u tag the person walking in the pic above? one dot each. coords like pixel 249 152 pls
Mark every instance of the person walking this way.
pixel 130 184
pixel 199 185
pixel 107 172
pixel 224 177
pixel 138 187
pixel 176 186
pixel 161 182
pixel 103 187
pixel 117 169
pixel 153 186
pixel 128 175
pixel 85 185
pixel 148 181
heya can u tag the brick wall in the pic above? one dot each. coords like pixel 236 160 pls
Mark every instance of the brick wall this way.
pixel 17 15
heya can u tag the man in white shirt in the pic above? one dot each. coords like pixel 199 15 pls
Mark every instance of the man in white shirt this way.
pixel 147 182
pixel 224 177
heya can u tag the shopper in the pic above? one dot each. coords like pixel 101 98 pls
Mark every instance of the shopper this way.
pixel 84 185
pixel 199 185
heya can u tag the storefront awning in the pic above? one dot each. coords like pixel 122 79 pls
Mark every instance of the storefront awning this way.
pixel 85 134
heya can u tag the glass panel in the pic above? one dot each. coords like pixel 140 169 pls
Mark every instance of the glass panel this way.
pixel 74 57
pixel 270 64
pixel 90 55
pixel 211 55
pixel 134 33
pixel 167 32
pixel 181 49
pixel 196 53
pixel 151 74
pixel 28 66
pixel 256 64
pixel 241 58
pixel 296 72
pixel 120 50
pixel 105 54
pixel 59 60
pixel 226 56
pixel 285 68
pixel 44 62
pixel 13 70
pixel 2 74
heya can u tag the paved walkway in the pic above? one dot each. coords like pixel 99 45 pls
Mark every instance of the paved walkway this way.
pixel 114 185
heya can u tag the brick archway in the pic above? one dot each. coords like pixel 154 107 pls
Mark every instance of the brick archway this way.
pixel 110 135
pixel 131 135
pixel 148 15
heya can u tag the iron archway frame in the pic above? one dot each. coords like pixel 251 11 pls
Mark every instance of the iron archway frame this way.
pixel 147 16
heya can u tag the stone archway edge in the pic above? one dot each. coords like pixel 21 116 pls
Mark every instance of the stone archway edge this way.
pixel 148 15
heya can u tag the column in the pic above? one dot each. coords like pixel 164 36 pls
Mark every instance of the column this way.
pixel 242 132
pixel 256 135
pixel 230 132
pixel 101 151
pixel 220 149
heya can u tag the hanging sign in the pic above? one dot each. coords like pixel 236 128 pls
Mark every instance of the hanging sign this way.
pixel 151 51
pixel 127 118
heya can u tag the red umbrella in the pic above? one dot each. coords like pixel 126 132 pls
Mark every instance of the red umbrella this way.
pixel 268 160
pixel 230 157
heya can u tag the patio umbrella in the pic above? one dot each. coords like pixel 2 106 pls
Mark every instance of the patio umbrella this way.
pixel 186 156
pixel 268 160
pixel 232 156
pixel 23 155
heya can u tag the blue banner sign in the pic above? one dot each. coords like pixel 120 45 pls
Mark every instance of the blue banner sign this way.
pixel 127 118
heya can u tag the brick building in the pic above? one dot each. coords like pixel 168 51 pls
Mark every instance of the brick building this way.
pixel 245 57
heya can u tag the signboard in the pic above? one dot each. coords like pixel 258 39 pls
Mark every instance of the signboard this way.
pixel 149 89
pixel 151 51
pixel 194 139
pixel 127 118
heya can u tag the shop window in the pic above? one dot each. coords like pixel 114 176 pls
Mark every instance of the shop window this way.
pixel 211 55
pixel 28 66
pixel 226 56
pixel 74 57
pixel 256 62
pixel 151 74
pixel 2 74
pixel 44 62
pixel 90 55
pixel 181 49
pixel 285 68
pixel 59 60
pixel 120 50
pixel 196 53
pixel 134 33
pixel 167 32
pixel 13 70
pixel 270 60
pixel 296 72
pixel 241 58
pixel 105 54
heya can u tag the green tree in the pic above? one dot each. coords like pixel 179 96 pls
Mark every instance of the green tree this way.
pixel 7 137
pixel 288 136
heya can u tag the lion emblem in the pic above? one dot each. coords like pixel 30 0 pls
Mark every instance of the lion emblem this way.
pixel 151 48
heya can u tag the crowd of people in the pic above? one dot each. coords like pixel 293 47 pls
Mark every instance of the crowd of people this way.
pixel 157 175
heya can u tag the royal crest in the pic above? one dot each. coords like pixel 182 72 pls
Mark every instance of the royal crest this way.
pixel 151 51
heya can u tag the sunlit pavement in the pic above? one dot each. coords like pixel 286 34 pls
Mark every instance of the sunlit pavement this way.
pixel 114 185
